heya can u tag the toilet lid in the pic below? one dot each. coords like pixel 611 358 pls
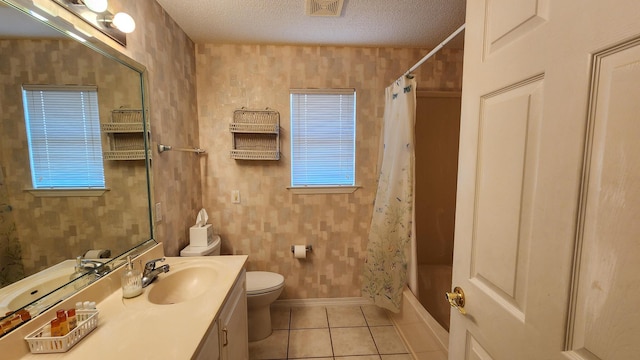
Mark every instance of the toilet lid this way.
pixel 259 282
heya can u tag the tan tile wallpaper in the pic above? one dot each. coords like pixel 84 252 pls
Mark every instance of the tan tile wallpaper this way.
pixel 169 56
pixel 269 218
pixel 53 229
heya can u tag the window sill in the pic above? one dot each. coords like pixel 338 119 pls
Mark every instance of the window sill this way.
pixel 67 192
pixel 323 190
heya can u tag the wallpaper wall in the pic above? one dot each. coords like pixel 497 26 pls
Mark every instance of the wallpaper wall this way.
pixel 169 57
pixel 52 229
pixel 194 109
pixel 270 218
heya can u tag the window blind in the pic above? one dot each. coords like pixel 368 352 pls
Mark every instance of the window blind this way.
pixel 63 131
pixel 323 130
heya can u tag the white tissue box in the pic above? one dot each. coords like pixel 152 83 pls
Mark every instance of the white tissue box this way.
pixel 201 235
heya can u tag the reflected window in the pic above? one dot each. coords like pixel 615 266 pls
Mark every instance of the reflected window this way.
pixel 63 131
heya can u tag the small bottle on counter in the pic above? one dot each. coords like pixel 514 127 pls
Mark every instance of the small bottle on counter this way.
pixel 24 315
pixel 64 325
pixel 55 327
pixel 71 319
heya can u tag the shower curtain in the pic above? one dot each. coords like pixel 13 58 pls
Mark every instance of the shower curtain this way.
pixel 11 268
pixel 389 249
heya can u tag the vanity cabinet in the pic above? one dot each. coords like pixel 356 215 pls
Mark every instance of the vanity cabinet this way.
pixel 234 332
pixel 210 346
pixel 228 336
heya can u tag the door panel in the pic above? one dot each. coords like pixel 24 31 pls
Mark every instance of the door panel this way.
pixel 605 319
pixel 509 20
pixel 506 155
pixel 475 351
pixel 548 195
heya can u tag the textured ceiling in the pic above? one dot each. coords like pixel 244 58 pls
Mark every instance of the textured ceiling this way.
pixel 402 23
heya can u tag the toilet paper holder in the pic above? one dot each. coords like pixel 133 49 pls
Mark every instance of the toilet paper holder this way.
pixel 308 248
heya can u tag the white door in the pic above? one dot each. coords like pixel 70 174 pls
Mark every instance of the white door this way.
pixel 547 239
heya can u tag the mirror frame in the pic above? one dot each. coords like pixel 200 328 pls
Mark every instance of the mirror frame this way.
pixel 60 20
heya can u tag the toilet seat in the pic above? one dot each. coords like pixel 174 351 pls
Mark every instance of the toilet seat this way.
pixel 260 282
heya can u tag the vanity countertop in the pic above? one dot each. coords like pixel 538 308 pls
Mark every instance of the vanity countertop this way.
pixel 137 329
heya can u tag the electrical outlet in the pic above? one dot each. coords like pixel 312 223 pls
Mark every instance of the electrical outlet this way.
pixel 235 196
pixel 158 212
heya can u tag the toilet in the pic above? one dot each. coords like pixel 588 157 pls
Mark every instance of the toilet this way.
pixel 263 288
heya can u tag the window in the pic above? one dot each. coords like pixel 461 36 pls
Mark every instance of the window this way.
pixel 63 132
pixel 323 132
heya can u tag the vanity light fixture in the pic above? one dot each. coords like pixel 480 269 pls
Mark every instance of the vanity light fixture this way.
pixel 97 6
pixel 121 21
pixel 95 13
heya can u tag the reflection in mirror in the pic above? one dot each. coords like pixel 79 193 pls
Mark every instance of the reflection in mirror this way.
pixel 44 231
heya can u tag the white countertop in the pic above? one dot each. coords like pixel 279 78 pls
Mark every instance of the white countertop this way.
pixel 137 329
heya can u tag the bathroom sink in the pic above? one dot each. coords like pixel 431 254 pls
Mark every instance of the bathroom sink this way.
pixel 37 290
pixel 181 285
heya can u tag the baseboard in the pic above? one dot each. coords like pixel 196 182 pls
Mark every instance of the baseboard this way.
pixel 354 301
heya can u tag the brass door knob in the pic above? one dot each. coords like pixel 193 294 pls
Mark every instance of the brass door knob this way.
pixel 456 299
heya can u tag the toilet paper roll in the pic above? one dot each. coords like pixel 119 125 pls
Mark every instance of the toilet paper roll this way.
pixel 97 254
pixel 300 251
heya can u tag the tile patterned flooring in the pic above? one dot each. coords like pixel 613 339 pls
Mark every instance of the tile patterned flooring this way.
pixel 330 333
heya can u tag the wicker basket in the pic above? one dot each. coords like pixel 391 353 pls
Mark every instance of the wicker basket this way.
pixel 256 135
pixel 39 344
pixel 126 135
pixel 126 116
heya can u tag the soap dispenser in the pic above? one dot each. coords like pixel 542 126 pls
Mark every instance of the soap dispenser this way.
pixel 131 281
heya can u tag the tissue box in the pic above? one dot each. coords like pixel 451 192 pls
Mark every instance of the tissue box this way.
pixel 201 235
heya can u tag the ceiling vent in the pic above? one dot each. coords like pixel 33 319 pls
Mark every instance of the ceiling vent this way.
pixel 324 7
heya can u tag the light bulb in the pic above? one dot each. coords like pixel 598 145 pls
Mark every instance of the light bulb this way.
pixel 124 22
pixel 96 6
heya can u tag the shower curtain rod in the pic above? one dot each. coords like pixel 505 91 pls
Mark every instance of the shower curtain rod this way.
pixel 432 52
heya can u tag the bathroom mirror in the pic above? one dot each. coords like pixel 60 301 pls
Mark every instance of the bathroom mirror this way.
pixel 43 229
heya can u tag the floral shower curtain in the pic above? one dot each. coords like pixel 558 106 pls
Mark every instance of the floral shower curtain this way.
pixel 11 268
pixel 389 247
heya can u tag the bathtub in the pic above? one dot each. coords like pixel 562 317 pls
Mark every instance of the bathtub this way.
pixel 423 334
pixel 433 282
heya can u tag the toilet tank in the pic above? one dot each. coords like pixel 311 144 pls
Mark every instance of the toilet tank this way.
pixel 212 250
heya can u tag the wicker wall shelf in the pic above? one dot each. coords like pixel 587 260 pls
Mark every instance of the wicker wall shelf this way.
pixel 256 135
pixel 122 127
pixel 125 134
pixel 124 155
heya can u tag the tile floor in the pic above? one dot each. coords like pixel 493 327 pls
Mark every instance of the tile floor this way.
pixel 330 333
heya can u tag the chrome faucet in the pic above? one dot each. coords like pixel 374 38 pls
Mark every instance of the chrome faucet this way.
pixel 89 266
pixel 151 272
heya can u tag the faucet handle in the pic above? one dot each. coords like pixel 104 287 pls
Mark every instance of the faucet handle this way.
pixel 151 264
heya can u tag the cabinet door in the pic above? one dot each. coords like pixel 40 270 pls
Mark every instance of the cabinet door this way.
pixel 210 349
pixel 234 334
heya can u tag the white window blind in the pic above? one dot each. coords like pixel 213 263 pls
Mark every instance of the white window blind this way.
pixel 323 133
pixel 63 131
